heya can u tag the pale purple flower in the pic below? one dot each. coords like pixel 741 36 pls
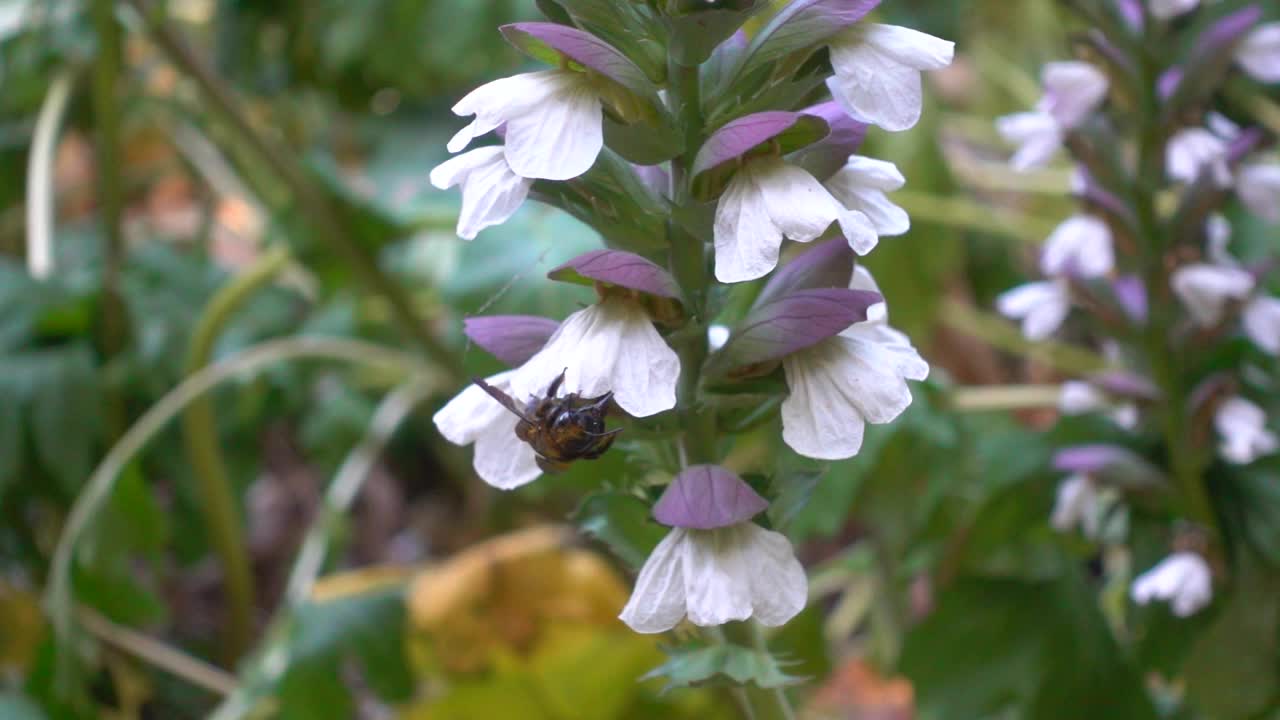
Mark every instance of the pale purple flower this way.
pixel 1072 91
pixel 491 191
pixel 1037 135
pixel 1242 427
pixel 1205 289
pixel 1183 580
pixel 1197 150
pixel 840 384
pixel 1259 54
pixel 877 72
pixel 1079 247
pixel 1041 306
pixel 611 346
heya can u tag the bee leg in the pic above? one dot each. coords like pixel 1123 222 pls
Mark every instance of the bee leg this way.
pixel 555 384
pixel 600 403
pixel 551 467
pixel 602 444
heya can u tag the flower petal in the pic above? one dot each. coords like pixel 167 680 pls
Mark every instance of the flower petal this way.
pixel 502 459
pixel 1259 189
pixel 472 412
pixel 1243 428
pixel 1206 289
pixel 1081 247
pixel 1183 579
pixel 1196 150
pixel 796 202
pixel 1166 9
pixel 1042 306
pixel 779 588
pixel 1259 54
pixel 560 137
pixel 861 185
pixel 620 268
pixel 1073 90
pixel 658 602
pixel 1262 323
pixel 491 192
pixel 495 102
pixel 877 72
pixel 717 577
pixel 513 339
pixel 1037 136
pixel 746 240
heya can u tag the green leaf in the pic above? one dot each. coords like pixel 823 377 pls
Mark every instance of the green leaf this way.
pixel 721 664
pixel 370 627
pixel 695 35
pixel 622 522
pixel 1232 669
pixel 65 410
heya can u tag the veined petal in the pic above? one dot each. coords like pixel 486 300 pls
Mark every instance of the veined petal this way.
pixel 746 240
pixel 1259 54
pixel 717 577
pixel 1037 136
pixel 493 103
pixel 859 230
pixel 1259 189
pixel 491 192
pixel 1206 289
pixel 1262 323
pixel 502 459
pixel 796 202
pixel 1166 9
pixel 1073 90
pixel 1081 246
pixel 877 72
pixel 658 602
pixel 561 137
pixel 779 588
pixel 1041 306
pixel 472 412
pixel 861 185
pixel 611 346
pixel 1196 150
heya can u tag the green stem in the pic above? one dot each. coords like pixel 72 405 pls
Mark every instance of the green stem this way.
pixel 200 433
pixel 780 699
pixel 316 210
pixel 106 106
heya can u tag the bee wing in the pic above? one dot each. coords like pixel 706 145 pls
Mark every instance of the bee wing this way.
pixel 503 398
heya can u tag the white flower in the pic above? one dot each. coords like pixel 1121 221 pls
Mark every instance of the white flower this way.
pixel 1041 306
pixel 553 118
pixel 1183 579
pixel 861 185
pixel 1072 91
pixel 717 576
pixel 1195 150
pixel 1259 189
pixel 1243 427
pixel 717 336
pixel 501 459
pixel 1037 135
pixel 1167 9
pixel 877 72
pixel 1078 398
pixel 1259 54
pixel 611 346
pixel 491 192
pixel 767 200
pixel 1081 247
pixel 1261 318
pixel 1077 505
pixel 846 381
pixel 1205 289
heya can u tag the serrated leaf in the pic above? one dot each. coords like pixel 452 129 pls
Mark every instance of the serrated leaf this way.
pixel 622 522
pixel 690 666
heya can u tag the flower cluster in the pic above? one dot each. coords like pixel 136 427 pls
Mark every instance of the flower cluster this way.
pixel 695 164
pixel 1148 262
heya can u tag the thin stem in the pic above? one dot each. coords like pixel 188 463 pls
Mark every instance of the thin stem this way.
pixel 316 210
pixel 167 658
pixel 59 595
pixel 761 643
pixel 200 433
pixel 40 190
pixel 1005 397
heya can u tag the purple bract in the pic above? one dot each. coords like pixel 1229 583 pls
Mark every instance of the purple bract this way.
pixel 706 497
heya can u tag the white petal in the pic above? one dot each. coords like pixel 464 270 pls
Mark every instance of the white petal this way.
pixel 1042 306
pixel 658 602
pixel 717 336
pixel 1076 500
pixel 491 192
pixel 494 103
pixel 1259 54
pixel 610 346
pixel 1081 246
pixel 1077 397
pixel 1262 323
pixel 1037 136
pixel 1183 579
pixel 861 184
pixel 747 242
pixel 797 203
pixel 865 172
pixel 1073 90
pixel 779 588
pixel 472 412
pixel 863 280
pixel 1125 416
pixel 1166 9
pixel 858 229
pixel 844 382
pixel 1196 150
pixel 1218 233
pixel 1243 429
pixel 1206 289
pixel 559 138
pixel 1259 189
pixel 504 460
pixel 717 576
pixel 877 72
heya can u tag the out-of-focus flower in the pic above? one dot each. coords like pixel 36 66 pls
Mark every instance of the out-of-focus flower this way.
pixel 715 566
pixel 1037 135
pixel 1168 9
pixel 861 185
pixel 1072 91
pixel 1041 306
pixel 1196 150
pixel 1259 54
pixel 1205 289
pixel 1258 187
pixel 611 346
pixel 1242 427
pixel 840 384
pixel 877 72
pixel 1079 397
pixel 717 336
pixel 1077 505
pixel 1079 247
pixel 491 191
pixel 1183 580
pixel 553 122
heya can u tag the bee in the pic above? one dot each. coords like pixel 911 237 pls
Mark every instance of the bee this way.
pixel 560 429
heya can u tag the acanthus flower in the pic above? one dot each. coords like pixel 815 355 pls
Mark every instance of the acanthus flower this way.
pixel 1077 504
pixel 1242 427
pixel 1207 289
pixel 1041 306
pixel 877 72
pixel 1072 91
pixel 491 190
pixel 1183 579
